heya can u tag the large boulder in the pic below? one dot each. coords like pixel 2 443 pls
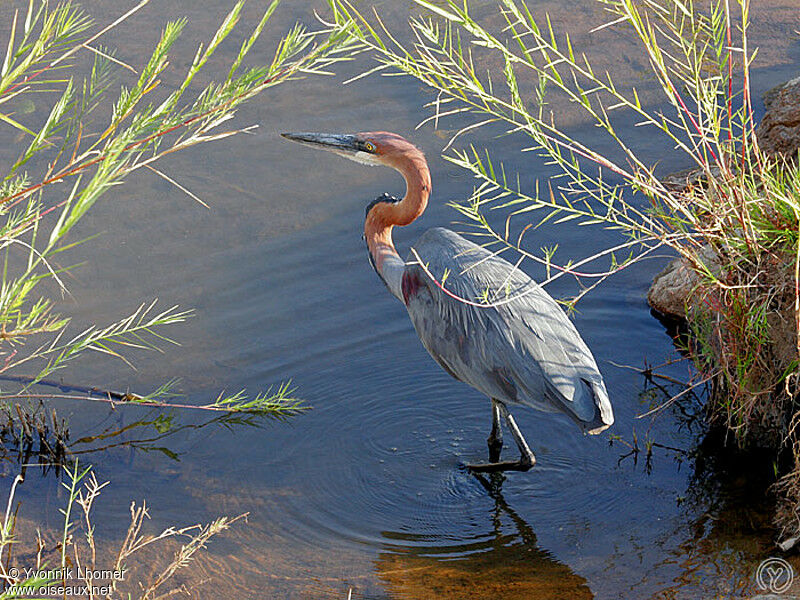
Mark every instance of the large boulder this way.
pixel 779 130
pixel 778 133
pixel 673 289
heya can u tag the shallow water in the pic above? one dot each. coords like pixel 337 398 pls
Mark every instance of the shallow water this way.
pixel 367 491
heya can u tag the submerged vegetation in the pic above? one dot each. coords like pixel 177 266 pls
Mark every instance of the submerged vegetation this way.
pixel 95 134
pixel 735 224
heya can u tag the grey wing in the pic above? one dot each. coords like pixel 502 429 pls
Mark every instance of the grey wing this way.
pixel 524 351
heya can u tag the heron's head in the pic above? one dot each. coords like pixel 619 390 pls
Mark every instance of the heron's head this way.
pixel 370 148
pixel 380 148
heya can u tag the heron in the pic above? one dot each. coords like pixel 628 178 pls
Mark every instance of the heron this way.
pixel 521 350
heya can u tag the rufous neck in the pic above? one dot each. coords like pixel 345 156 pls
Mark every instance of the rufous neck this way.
pixel 385 215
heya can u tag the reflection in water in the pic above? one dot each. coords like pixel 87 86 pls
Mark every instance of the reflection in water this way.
pixel 501 564
pixel 726 530
pixel 728 499
pixel 34 435
pixel 729 527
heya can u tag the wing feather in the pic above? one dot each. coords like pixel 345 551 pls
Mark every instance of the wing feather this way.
pixel 524 351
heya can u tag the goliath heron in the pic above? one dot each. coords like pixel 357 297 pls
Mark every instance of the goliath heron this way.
pixel 523 351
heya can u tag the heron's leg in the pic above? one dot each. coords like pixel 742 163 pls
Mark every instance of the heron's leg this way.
pixel 495 440
pixel 526 458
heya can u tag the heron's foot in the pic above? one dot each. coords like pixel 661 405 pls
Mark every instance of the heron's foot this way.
pixel 495 441
pixel 525 463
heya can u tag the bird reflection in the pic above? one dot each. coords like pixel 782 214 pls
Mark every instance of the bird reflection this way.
pixel 505 563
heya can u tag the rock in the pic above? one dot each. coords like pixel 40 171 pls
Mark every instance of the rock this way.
pixel 778 133
pixel 687 179
pixel 677 292
pixel 673 288
pixel 779 130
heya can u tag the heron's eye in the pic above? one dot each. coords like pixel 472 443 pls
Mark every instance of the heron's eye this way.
pixel 369 146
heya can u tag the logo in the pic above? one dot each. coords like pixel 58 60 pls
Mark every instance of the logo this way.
pixel 774 575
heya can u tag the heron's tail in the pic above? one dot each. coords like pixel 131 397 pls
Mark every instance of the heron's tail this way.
pixel 604 414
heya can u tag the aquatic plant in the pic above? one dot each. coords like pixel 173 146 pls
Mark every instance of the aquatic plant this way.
pixel 734 220
pixel 35 434
pixel 75 156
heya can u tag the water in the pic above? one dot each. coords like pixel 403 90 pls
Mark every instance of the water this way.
pixel 367 491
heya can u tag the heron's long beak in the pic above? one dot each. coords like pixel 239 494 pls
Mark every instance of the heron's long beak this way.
pixel 336 142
